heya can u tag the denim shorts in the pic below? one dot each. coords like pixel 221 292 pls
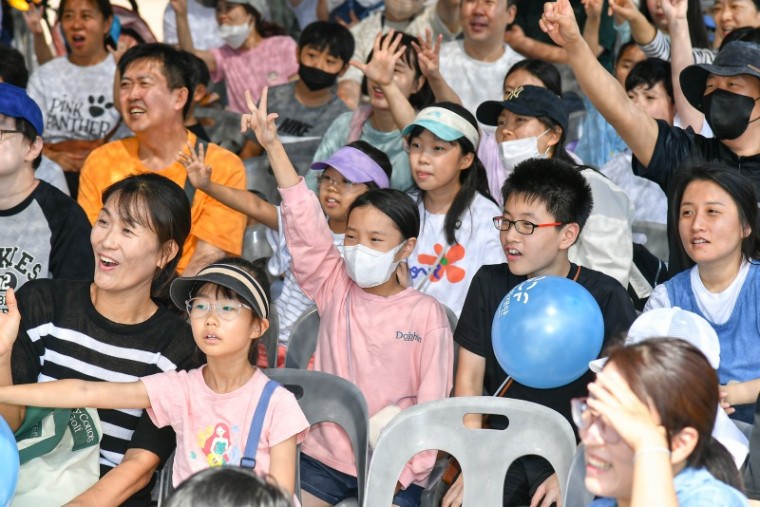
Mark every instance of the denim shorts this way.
pixel 332 486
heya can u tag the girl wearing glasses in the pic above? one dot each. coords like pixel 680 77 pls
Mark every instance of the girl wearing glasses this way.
pixel 647 426
pixel 350 172
pixel 211 408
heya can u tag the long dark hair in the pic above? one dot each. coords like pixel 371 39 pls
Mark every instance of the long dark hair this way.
pixel 742 192
pixel 697 28
pixel 472 179
pixel 159 204
pixel 654 370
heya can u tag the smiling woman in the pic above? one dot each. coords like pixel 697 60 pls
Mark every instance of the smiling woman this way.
pixel 716 212
pixel 75 92
pixel 114 329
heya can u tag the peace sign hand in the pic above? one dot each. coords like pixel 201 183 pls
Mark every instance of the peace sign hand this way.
pixel 261 123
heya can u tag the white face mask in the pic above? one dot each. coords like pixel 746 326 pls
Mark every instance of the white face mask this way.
pixel 513 152
pixel 234 35
pixel 368 267
pixel 403 9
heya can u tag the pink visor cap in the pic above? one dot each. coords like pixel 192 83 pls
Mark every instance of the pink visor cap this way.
pixel 355 165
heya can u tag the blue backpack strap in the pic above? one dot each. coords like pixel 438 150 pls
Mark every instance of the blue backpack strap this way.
pixel 249 456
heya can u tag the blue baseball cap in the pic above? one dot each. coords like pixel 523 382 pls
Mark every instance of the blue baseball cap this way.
pixel 15 103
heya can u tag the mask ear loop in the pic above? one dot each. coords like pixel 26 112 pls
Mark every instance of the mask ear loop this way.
pixel 546 151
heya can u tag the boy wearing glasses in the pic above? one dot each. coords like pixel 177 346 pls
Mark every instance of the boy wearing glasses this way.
pixel 546 204
pixel 43 232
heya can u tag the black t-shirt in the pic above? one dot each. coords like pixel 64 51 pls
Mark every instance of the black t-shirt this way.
pixel 473 332
pixel 678 150
pixel 47 235
pixel 62 336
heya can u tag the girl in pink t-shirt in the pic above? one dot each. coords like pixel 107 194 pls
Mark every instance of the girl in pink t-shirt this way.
pixel 212 407
pixel 390 340
pixel 255 54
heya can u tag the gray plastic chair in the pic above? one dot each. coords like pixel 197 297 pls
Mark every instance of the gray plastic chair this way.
pixel 271 337
pixel 255 243
pixel 327 398
pixel 576 494
pixel 484 454
pixel 260 178
pixel 303 340
pixel 657 238
pixel 164 484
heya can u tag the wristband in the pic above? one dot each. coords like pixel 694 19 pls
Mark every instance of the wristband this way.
pixel 651 450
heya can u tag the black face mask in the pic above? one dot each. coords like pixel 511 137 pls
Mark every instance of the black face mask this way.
pixel 728 113
pixel 316 79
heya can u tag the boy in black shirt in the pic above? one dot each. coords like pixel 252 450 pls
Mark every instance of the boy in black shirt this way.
pixel 546 204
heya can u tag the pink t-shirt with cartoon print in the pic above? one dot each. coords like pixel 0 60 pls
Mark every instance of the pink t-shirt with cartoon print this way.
pixel 212 428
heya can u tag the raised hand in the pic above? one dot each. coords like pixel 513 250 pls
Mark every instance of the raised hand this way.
pixel 428 54
pixel 593 8
pixel 194 162
pixel 385 53
pixel 33 19
pixel 179 6
pixel 558 21
pixel 9 323
pixel 675 10
pixel 624 9
pixel 620 408
pixel 261 123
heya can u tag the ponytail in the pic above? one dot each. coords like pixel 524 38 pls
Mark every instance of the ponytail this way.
pixel 719 462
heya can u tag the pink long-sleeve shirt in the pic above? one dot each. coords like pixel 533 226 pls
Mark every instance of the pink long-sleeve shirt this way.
pixel 397 349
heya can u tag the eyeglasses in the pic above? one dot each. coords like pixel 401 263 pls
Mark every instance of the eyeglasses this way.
pixel 226 309
pixel 340 185
pixel 5 132
pixel 521 226
pixel 583 418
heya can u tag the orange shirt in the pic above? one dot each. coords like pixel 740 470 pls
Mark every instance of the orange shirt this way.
pixel 212 221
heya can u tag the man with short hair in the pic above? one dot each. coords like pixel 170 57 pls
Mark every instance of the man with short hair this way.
pixel 43 233
pixel 475 67
pixel 726 92
pixel 154 97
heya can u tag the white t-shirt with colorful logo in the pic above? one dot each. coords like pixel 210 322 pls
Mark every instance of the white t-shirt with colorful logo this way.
pixel 445 271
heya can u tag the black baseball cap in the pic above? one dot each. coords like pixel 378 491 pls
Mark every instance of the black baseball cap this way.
pixel 526 100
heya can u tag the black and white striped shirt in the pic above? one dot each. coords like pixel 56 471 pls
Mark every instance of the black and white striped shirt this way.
pixel 62 336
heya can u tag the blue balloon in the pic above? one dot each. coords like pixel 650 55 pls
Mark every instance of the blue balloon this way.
pixel 546 330
pixel 8 464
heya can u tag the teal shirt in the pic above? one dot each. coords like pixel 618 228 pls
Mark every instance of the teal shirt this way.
pixel 390 143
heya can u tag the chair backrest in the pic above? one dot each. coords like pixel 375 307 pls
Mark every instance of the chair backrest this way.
pixel 453 319
pixel 327 398
pixel 576 494
pixel 260 178
pixel 271 338
pixel 484 454
pixel 657 237
pixel 255 243
pixel 303 340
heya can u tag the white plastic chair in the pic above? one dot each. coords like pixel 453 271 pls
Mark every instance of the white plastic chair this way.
pixel 484 454
pixel 576 494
